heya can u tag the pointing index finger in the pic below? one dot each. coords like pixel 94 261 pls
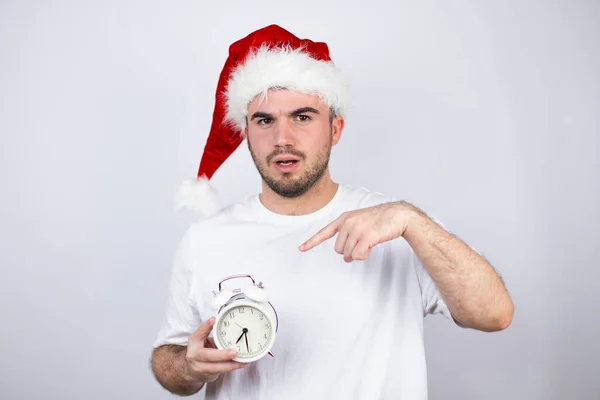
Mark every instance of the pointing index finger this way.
pixel 326 233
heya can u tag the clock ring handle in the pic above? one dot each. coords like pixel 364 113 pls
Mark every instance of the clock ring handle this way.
pixel 237 276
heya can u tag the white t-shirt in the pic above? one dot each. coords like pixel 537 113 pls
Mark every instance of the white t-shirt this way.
pixel 346 330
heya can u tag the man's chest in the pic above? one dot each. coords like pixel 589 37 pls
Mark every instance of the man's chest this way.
pixel 316 294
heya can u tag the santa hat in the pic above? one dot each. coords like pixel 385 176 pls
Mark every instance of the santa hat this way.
pixel 269 58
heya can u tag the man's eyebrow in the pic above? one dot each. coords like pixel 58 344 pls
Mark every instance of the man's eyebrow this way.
pixel 261 115
pixel 294 113
pixel 304 110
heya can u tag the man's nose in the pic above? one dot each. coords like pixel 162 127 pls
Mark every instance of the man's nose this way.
pixel 284 135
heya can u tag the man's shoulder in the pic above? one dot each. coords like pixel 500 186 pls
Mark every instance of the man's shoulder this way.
pixel 361 197
pixel 238 211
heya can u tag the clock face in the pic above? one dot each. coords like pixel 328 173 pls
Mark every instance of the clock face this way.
pixel 245 329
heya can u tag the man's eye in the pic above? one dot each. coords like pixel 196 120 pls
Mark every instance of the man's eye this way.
pixel 264 121
pixel 303 118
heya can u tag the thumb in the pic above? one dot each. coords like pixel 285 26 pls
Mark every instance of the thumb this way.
pixel 201 334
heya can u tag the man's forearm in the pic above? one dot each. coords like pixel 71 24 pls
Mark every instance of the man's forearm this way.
pixel 469 285
pixel 169 368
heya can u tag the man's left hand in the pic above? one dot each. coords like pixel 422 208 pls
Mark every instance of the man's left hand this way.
pixel 359 230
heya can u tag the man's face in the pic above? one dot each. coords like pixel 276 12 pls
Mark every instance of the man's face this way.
pixel 290 136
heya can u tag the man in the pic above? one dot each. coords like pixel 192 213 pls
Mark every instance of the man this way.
pixel 351 273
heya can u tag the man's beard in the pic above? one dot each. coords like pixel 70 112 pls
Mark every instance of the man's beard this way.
pixel 287 186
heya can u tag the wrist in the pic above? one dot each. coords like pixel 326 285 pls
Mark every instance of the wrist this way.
pixel 191 379
pixel 191 382
pixel 411 217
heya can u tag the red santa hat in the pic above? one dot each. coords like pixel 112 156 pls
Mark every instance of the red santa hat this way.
pixel 269 58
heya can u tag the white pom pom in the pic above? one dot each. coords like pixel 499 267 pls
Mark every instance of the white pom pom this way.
pixel 197 196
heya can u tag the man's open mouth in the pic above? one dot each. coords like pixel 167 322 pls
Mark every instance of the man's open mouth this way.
pixel 287 162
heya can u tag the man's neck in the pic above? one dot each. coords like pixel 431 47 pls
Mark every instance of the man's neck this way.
pixel 314 199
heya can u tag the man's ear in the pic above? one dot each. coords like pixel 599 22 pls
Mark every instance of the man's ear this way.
pixel 337 126
pixel 245 130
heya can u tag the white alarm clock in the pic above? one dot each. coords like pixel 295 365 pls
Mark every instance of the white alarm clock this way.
pixel 246 321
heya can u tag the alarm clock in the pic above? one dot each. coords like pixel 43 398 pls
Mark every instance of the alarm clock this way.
pixel 246 321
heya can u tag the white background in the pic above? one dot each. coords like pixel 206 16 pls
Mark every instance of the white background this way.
pixel 486 116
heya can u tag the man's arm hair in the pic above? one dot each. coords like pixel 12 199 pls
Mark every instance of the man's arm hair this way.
pixel 169 367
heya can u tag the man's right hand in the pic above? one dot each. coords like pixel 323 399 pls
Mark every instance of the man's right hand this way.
pixel 204 361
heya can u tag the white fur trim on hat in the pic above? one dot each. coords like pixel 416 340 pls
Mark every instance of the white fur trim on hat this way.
pixel 283 68
pixel 198 196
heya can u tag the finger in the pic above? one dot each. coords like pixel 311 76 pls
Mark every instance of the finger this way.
pixel 349 247
pixel 214 355
pixel 326 233
pixel 217 368
pixel 361 250
pixel 342 238
pixel 203 331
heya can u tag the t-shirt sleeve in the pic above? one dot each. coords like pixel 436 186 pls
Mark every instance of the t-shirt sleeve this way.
pixel 181 317
pixel 431 299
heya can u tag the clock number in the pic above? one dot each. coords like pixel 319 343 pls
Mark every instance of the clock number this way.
pixel 251 311
pixel 229 343
pixel 260 345
pixel 262 316
pixel 223 333
pixel 250 350
pixel 238 348
pixel 226 323
pixel 242 310
pixel 231 315
pixel 265 335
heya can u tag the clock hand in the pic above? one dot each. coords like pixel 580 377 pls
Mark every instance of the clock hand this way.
pixel 243 332
pixel 240 337
pixel 246 333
